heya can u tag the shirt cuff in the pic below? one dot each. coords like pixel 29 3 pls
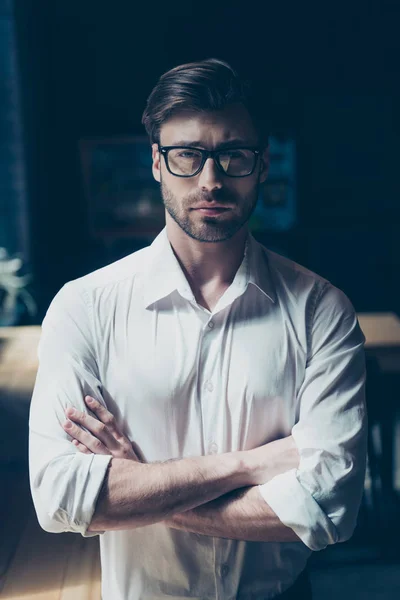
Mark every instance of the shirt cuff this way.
pixel 98 471
pixel 297 509
pixel 79 488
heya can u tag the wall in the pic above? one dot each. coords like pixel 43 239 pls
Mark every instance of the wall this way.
pixel 327 75
pixel 13 198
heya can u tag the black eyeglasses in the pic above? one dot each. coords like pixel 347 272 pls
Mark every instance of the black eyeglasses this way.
pixel 184 161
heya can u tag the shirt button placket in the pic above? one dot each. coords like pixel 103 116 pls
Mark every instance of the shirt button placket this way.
pixel 208 387
pixel 213 448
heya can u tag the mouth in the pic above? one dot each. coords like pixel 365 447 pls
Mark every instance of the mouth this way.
pixel 211 211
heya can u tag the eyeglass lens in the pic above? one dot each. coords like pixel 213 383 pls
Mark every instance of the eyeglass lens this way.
pixel 235 162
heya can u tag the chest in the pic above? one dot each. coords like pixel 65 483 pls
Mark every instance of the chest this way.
pixel 183 380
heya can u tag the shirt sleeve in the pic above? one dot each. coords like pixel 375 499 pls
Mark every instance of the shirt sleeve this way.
pixel 320 500
pixel 64 483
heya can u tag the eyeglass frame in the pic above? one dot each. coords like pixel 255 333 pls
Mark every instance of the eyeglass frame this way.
pixel 206 154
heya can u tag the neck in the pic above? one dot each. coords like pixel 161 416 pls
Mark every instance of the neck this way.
pixel 207 264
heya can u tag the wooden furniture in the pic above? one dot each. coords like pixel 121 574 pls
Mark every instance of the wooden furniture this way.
pixel 33 564
pixel 18 366
pixel 382 332
pixel 52 567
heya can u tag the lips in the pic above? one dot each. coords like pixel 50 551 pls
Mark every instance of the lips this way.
pixel 212 211
pixel 212 207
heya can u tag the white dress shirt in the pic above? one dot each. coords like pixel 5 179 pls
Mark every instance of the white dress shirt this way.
pixel 280 354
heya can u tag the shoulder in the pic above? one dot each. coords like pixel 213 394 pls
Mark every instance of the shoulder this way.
pixel 77 295
pixel 295 283
pixel 289 271
pixel 124 269
pixel 329 314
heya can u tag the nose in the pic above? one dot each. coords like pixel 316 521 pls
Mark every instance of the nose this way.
pixel 210 176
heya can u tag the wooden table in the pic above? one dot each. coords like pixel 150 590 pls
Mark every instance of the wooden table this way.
pixel 382 339
pixel 33 564
pixel 46 566
pixel 18 366
pixel 382 333
pixel 382 330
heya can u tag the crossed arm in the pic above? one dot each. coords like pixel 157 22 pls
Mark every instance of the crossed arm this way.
pixel 209 495
pixel 214 495
pixel 240 515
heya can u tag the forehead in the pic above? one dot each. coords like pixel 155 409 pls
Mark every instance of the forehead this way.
pixel 209 129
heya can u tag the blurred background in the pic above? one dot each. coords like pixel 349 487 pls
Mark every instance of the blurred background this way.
pixel 76 193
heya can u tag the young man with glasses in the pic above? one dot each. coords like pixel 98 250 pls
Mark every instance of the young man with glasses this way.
pixel 212 390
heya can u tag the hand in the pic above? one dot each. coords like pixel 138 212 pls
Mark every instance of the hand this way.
pixel 103 435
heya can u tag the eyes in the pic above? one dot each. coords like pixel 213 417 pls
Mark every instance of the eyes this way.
pixel 222 154
pixel 185 161
pixel 188 154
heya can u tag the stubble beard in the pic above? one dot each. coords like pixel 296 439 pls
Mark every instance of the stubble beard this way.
pixel 209 229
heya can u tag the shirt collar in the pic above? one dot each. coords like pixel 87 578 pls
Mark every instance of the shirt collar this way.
pixel 165 275
pixel 259 268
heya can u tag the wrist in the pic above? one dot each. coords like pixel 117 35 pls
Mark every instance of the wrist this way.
pixel 247 468
pixel 265 462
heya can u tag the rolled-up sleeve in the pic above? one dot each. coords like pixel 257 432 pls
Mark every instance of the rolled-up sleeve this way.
pixel 320 500
pixel 64 483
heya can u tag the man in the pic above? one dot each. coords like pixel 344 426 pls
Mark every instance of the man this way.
pixel 237 375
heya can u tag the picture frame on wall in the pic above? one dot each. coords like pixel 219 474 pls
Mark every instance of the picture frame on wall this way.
pixel 277 201
pixel 123 198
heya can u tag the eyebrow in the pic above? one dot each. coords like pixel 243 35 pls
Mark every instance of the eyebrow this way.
pixel 237 142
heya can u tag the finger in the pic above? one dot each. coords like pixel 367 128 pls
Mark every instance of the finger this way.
pixel 98 429
pixel 81 447
pixel 84 437
pixel 104 415
pixel 137 452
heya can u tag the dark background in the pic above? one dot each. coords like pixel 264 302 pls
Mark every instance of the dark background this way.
pixel 327 73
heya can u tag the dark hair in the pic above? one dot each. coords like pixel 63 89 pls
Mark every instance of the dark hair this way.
pixel 201 86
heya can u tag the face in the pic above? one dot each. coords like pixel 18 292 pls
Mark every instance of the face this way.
pixel 211 206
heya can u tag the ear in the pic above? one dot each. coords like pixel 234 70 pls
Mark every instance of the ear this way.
pixel 264 165
pixel 156 167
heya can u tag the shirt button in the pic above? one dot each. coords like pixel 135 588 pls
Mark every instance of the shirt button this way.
pixel 211 324
pixel 209 386
pixel 213 448
pixel 224 570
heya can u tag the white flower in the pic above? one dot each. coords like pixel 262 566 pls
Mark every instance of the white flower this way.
pixel 14 287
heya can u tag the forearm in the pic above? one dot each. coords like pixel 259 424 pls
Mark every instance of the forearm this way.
pixel 240 515
pixel 243 514
pixel 136 494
